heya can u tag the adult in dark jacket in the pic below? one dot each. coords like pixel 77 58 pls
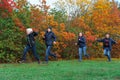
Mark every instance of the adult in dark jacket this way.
pixel 107 45
pixel 30 45
pixel 49 38
pixel 82 46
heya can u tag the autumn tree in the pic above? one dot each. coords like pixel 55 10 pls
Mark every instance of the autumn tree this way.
pixel 10 35
pixel 92 17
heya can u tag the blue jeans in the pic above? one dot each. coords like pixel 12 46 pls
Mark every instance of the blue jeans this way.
pixel 27 48
pixel 81 51
pixel 107 53
pixel 48 53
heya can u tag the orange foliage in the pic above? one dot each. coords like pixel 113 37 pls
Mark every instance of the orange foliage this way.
pixel 102 19
pixel 106 18
pixel 62 27
pixel 67 36
pixel 19 24
pixel 79 22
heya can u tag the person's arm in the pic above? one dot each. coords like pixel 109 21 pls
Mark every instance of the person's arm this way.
pixel 113 42
pixel 44 35
pixel 83 40
pixel 77 42
pixel 100 40
pixel 35 33
pixel 54 37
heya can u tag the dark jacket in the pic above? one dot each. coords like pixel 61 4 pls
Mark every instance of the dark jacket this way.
pixel 30 39
pixel 110 42
pixel 81 41
pixel 49 38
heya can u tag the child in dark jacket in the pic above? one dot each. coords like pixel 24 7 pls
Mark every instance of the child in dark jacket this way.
pixel 30 45
pixel 82 46
pixel 107 45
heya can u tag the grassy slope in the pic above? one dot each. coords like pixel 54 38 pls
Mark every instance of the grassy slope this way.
pixel 62 70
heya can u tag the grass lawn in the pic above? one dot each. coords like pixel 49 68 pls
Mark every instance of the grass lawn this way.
pixel 62 70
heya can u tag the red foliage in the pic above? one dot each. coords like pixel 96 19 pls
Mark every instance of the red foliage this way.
pixel 90 38
pixel 7 5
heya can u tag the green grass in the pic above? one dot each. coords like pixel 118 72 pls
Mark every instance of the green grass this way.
pixel 62 70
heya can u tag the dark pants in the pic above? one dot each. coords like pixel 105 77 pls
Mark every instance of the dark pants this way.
pixel 27 48
pixel 107 53
pixel 48 53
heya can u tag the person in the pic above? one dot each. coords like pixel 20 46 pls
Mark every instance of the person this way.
pixel 107 45
pixel 30 45
pixel 82 46
pixel 49 38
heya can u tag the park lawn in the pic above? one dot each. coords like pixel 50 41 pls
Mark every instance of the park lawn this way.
pixel 62 70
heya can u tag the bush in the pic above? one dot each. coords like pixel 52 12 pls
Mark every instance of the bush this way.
pixel 10 40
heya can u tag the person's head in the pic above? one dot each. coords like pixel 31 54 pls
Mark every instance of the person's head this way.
pixel 49 29
pixel 80 34
pixel 29 30
pixel 107 35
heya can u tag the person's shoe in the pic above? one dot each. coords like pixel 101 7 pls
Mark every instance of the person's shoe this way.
pixel 22 61
pixel 45 62
pixel 56 58
pixel 79 60
pixel 38 61
pixel 109 60
pixel 87 56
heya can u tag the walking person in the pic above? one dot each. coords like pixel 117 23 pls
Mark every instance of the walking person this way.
pixel 82 46
pixel 30 45
pixel 107 45
pixel 50 39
